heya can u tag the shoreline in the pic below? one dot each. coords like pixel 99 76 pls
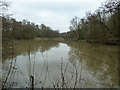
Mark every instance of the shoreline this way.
pixel 112 43
pixel 56 39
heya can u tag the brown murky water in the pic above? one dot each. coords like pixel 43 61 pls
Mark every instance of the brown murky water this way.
pixel 58 64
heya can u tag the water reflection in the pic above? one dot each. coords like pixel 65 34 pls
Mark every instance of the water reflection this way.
pixel 55 64
pixel 35 63
pixel 100 60
pixel 24 46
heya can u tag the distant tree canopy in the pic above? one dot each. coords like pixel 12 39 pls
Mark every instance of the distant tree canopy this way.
pixel 102 26
pixel 25 29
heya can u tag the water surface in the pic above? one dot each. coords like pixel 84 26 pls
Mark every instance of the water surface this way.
pixel 61 64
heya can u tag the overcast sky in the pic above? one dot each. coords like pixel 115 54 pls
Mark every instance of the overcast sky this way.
pixel 54 13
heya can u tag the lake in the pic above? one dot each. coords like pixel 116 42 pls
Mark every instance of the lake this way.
pixel 37 63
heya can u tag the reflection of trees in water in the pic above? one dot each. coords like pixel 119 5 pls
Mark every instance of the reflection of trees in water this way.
pixel 101 60
pixel 79 72
pixel 47 45
pixel 13 69
pixel 24 46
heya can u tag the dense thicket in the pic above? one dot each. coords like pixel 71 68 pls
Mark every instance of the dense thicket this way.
pixel 102 26
pixel 25 29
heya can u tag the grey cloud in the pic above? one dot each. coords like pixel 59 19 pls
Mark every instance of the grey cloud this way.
pixel 56 15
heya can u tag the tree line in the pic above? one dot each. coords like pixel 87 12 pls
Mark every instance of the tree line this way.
pixel 13 29
pixel 102 26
